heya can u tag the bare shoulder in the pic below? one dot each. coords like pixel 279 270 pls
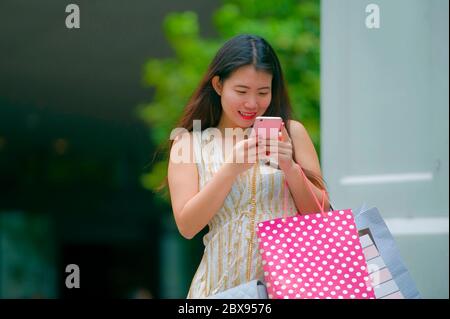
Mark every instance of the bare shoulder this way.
pixel 181 136
pixel 297 131
pixel 304 151
pixel 182 150
pixel 182 172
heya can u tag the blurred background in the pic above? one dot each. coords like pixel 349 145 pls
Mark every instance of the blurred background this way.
pixel 85 114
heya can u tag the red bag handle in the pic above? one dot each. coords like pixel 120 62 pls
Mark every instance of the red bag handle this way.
pixel 286 189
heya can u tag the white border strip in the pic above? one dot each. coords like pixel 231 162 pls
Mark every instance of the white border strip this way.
pixel 418 226
pixel 386 179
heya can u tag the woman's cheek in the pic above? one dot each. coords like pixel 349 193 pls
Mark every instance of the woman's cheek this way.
pixel 265 102
pixel 231 100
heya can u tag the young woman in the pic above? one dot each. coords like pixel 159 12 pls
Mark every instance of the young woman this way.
pixel 213 188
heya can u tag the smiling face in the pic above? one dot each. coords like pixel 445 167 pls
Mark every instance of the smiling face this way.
pixel 245 94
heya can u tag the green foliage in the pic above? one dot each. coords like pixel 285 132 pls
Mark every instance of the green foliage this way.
pixel 291 27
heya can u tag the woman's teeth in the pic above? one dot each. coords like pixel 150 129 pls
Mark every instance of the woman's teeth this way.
pixel 247 114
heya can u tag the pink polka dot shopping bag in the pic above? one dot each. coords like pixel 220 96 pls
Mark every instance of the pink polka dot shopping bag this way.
pixel 314 256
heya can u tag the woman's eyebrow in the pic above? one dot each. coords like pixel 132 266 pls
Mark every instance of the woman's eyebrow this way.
pixel 246 87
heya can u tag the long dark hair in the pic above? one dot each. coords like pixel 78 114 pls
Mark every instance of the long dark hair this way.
pixel 241 50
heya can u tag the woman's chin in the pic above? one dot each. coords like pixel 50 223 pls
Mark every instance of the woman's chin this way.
pixel 245 123
pixel 245 126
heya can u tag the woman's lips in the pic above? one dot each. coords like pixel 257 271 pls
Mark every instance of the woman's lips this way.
pixel 247 115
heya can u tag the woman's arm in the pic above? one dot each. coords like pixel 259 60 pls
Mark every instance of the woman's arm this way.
pixel 193 209
pixel 304 154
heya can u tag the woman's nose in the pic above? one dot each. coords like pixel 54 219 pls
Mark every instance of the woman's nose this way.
pixel 251 103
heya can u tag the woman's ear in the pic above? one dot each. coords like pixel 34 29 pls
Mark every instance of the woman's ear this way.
pixel 217 84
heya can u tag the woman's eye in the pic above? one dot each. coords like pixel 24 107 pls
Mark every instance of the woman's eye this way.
pixel 263 93
pixel 241 92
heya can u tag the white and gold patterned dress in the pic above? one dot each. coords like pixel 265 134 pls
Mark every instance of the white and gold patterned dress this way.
pixel 231 256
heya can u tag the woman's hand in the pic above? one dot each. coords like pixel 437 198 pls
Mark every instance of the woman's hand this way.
pixel 280 150
pixel 243 155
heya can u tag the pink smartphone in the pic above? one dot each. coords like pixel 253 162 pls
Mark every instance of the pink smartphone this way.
pixel 266 125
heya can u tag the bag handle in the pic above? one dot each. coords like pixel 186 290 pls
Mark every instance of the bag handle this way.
pixel 286 190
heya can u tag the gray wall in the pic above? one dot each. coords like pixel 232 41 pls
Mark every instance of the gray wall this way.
pixel 384 124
